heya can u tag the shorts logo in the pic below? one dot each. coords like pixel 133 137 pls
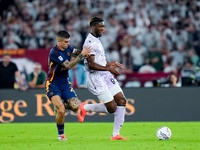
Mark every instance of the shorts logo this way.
pixel 60 58
pixel 112 80
pixel 51 93
pixel 68 54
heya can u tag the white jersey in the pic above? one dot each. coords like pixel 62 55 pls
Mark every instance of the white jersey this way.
pixel 98 51
pixel 98 82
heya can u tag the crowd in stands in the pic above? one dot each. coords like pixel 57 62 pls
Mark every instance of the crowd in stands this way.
pixel 144 35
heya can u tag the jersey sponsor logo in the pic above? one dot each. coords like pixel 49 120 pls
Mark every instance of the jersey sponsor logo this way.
pixel 60 58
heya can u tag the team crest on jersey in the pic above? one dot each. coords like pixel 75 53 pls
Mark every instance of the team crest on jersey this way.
pixel 60 58
pixel 68 54
pixel 51 93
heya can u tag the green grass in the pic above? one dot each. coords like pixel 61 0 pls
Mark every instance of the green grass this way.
pixel 96 136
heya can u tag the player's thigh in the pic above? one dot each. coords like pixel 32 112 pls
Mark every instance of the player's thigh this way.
pixel 57 102
pixel 96 83
pixel 120 99
pixel 118 95
pixel 109 101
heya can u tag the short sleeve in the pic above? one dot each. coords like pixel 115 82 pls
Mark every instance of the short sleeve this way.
pixel 57 57
pixel 93 45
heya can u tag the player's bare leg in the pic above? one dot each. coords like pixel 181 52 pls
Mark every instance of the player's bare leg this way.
pixel 60 117
pixel 111 106
pixel 72 104
pixel 57 102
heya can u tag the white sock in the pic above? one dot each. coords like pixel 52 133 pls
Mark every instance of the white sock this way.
pixel 119 116
pixel 99 107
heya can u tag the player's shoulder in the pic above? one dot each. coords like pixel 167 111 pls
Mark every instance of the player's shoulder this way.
pixel 53 48
pixel 54 51
pixel 70 47
pixel 90 40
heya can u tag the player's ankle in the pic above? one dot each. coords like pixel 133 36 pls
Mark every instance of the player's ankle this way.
pixel 115 134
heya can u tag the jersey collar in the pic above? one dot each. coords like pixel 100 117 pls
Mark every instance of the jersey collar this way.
pixel 94 35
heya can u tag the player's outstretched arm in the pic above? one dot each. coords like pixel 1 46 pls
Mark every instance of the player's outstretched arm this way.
pixel 70 64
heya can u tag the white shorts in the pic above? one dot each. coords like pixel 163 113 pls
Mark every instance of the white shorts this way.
pixel 103 85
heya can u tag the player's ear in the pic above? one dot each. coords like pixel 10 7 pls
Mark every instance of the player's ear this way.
pixel 93 28
pixel 59 39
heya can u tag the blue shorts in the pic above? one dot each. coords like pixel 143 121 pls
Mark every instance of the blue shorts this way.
pixel 64 90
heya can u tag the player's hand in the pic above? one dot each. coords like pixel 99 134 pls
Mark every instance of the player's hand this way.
pixel 114 71
pixel 86 51
pixel 116 64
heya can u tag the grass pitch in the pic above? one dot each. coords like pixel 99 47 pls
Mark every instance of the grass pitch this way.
pixel 96 136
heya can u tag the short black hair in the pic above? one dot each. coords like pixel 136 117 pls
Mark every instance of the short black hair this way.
pixel 95 20
pixel 63 34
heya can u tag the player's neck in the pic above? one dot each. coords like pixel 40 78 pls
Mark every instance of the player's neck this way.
pixel 59 47
pixel 94 35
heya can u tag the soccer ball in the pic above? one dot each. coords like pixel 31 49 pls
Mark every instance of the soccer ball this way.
pixel 164 133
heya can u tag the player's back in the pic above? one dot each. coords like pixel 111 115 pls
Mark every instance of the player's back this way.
pixel 57 72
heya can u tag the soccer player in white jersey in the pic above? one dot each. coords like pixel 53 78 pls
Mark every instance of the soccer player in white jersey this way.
pixel 101 82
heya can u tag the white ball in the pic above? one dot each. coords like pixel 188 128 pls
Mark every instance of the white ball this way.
pixel 164 133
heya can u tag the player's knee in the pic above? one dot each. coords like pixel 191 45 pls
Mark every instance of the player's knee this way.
pixel 121 102
pixel 111 106
pixel 61 111
pixel 73 104
pixel 75 108
pixel 112 109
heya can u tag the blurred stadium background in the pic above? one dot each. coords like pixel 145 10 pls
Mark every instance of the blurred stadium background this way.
pixel 146 36
pixel 153 39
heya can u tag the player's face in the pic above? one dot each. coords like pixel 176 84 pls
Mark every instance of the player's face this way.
pixel 65 43
pixel 99 29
